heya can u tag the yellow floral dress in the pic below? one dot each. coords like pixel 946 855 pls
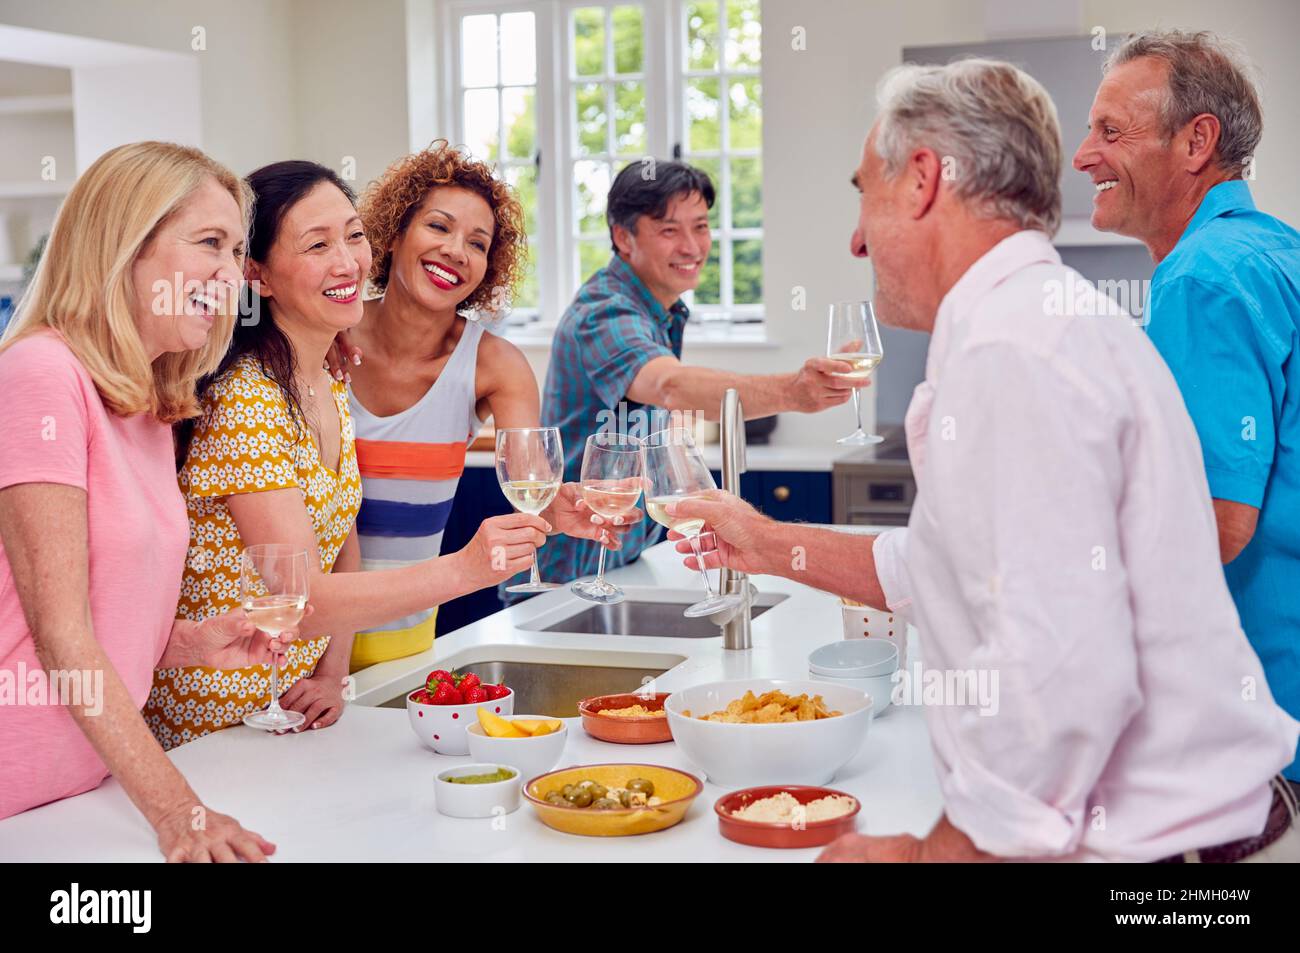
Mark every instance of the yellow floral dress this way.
pixel 246 442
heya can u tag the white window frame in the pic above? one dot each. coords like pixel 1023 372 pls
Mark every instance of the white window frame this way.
pixel 725 234
pixel 554 247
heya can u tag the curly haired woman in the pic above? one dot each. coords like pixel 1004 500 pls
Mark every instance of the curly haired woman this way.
pixel 446 236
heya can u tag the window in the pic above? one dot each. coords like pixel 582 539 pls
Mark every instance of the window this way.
pixel 722 133
pixel 561 94
pixel 497 96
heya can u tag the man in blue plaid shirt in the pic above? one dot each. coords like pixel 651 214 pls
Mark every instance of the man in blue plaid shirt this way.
pixel 616 356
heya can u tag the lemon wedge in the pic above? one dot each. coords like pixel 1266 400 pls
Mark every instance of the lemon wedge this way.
pixel 537 726
pixel 494 726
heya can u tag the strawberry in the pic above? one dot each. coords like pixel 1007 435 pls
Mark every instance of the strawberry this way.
pixel 474 695
pixel 442 695
pixel 441 675
pixel 454 697
pixel 496 691
pixel 422 697
pixel 468 680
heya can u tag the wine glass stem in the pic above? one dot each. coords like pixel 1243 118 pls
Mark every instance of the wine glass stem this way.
pixel 699 563
pixel 600 570
pixel 533 576
pixel 275 683
pixel 857 408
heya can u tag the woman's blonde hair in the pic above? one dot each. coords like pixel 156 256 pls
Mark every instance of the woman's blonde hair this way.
pixel 82 286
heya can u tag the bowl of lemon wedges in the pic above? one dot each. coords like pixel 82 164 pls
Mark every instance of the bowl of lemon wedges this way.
pixel 531 743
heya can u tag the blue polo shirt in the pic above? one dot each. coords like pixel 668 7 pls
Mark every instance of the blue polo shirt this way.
pixel 613 328
pixel 1224 312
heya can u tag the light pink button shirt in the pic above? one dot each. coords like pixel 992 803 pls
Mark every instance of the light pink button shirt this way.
pixel 1063 537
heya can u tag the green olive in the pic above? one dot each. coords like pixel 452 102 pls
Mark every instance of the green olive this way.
pixel 598 790
pixel 568 790
pixel 581 798
pixel 642 786
pixel 625 798
pixel 556 798
pixel 605 804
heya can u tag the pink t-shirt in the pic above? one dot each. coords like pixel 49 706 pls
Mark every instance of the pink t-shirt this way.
pixel 55 429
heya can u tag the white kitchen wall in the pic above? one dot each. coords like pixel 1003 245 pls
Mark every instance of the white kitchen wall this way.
pixel 245 73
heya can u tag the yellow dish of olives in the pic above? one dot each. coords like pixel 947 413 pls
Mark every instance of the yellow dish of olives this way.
pixel 612 800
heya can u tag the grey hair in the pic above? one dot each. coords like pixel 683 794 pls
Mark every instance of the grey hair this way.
pixel 1207 74
pixel 993 122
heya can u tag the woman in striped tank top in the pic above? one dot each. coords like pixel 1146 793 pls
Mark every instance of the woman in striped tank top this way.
pixel 447 236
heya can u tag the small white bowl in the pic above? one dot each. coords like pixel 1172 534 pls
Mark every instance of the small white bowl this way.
pixel 442 727
pixel 741 756
pixel 532 756
pixel 477 800
pixel 865 664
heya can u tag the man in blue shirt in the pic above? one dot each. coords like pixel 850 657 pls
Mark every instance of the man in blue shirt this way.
pixel 616 356
pixel 1172 131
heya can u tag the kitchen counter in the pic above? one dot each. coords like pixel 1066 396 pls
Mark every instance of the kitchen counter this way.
pixel 363 788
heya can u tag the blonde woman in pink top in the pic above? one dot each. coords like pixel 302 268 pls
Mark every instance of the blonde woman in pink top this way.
pixel 132 302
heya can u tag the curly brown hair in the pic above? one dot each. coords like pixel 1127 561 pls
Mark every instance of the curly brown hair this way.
pixel 392 200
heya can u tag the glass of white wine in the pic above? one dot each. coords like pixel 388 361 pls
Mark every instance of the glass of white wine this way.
pixel 854 338
pixel 530 466
pixel 611 485
pixel 675 470
pixel 273 593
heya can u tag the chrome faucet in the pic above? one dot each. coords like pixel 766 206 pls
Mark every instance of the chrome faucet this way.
pixel 734 621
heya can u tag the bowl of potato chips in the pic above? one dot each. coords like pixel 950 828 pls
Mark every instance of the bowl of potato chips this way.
pixel 750 732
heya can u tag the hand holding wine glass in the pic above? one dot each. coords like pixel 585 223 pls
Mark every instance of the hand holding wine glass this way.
pixel 530 466
pixel 273 587
pixel 854 338
pixel 674 471
pixel 611 485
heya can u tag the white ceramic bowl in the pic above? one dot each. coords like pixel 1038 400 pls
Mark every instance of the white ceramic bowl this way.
pixel 442 727
pixel 865 664
pixel 477 800
pixel 532 756
pixel 807 752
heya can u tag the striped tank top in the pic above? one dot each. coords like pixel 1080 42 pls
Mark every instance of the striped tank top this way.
pixel 410 464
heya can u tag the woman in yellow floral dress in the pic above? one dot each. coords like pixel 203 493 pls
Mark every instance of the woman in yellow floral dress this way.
pixel 272 459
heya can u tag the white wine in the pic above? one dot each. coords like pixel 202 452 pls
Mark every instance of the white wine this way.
pixel 274 614
pixel 657 508
pixel 863 364
pixel 530 496
pixel 610 498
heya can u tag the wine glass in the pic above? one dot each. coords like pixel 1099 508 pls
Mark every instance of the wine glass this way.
pixel 273 593
pixel 530 466
pixel 854 338
pixel 675 470
pixel 611 484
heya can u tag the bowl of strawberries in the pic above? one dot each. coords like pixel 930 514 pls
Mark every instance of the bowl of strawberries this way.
pixel 441 709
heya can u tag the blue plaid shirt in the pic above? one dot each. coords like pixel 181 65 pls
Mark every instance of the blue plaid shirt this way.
pixel 611 330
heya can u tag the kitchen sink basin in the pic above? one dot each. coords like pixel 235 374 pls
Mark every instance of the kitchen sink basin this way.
pixel 554 688
pixel 659 619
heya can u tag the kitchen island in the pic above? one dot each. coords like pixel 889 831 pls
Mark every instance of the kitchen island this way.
pixel 363 788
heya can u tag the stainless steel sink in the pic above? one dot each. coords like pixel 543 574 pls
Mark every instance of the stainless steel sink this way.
pixel 554 689
pixel 639 617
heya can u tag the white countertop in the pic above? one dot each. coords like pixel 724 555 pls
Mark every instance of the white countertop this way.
pixel 363 788
pixel 772 456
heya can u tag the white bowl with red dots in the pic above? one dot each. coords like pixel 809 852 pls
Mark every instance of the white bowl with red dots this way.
pixel 442 727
